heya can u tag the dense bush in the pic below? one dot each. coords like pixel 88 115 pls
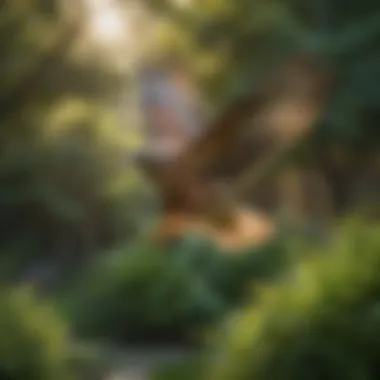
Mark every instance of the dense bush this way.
pixel 323 322
pixel 141 293
pixel 33 344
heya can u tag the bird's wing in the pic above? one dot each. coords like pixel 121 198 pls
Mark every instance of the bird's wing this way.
pixel 266 121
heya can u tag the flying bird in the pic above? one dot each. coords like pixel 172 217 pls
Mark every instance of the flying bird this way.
pixel 201 169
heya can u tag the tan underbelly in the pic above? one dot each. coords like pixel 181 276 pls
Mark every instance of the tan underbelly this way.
pixel 248 229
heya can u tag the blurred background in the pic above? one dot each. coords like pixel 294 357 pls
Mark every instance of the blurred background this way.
pixel 84 292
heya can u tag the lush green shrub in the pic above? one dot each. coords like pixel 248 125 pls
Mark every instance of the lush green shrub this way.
pixel 321 322
pixel 33 342
pixel 145 294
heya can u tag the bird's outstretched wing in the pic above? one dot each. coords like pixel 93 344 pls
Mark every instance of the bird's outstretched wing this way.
pixel 252 132
pixel 276 114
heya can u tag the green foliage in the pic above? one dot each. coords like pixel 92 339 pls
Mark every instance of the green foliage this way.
pixel 142 293
pixel 321 322
pixel 68 188
pixel 34 343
